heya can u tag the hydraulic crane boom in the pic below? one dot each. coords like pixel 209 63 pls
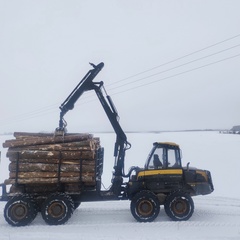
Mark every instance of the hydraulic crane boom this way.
pixel 121 144
pixel 84 85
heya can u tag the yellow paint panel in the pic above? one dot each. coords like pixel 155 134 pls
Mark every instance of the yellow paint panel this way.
pixel 203 173
pixel 160 172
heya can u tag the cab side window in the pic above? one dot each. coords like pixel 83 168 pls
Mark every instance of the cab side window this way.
pixel 173 160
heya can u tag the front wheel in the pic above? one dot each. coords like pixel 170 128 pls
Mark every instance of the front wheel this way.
pixel 179 206
pixel 145 206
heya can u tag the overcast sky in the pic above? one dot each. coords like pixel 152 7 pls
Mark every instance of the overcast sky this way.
pixel 169 65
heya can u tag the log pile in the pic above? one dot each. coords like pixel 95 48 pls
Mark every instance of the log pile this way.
pixel 38 158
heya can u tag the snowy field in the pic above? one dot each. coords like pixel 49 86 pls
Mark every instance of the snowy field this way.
pixel 216 216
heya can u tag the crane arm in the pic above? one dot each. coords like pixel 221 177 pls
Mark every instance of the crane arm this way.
pixel 84 85
pixel 121 144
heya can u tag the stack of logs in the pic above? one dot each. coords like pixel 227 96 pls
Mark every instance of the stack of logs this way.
pixel 40 158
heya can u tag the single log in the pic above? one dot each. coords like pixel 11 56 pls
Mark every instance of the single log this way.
pixel 38 167
pixel 31 181
pixel 45 174
pixel 79 162
pixel 84 178
pixel 41 167
pixel 78 155
pixel 35 154
pixel 87 145
pixel 31 134
pixel 56 161
pixel 46 140
pixel 76 168
pixel 40 134
pixel 35 160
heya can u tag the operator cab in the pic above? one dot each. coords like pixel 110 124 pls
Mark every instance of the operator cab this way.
pixel 164 155
pixel 162 172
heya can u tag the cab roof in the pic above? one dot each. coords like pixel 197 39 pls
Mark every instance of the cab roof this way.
pixel 166 144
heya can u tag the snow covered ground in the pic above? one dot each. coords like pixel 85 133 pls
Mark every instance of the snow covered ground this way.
pixel 216 216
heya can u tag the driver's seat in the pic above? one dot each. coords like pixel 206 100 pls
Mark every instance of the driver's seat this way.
pixel 156 162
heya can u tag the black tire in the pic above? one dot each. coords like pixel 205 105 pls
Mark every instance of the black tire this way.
pixel 145 206
pixel 20 211
pixel 57 209
pixel 179 206
pixel 76 204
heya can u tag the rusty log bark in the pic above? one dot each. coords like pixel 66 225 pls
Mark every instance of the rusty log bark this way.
pixel 84 178
pixel 46 140
pixel 35 154
pixel 56 161
pixel 41 167
pixel 21 135
pixel 45 174
pixel 87 145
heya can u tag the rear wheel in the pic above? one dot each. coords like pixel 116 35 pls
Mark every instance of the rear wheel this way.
pixel 20 211
pixel 145 206
pixel 57 209
pixel 179 206
pixel 76 204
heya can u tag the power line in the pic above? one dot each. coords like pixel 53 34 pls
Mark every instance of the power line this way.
pixel 26 117
pixel 178 74
pixel 168 77
pixel 177 59
pixel 32 113
pixel 173 68
pixel 45 110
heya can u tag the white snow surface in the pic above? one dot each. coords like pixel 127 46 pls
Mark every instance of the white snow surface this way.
pixel 216 216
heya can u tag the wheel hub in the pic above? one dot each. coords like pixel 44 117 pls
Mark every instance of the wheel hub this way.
pixel 19 211
pixel 56 210
pixel 145 208
pixel 180 206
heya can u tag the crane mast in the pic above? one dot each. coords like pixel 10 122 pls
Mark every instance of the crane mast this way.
pixel 121 144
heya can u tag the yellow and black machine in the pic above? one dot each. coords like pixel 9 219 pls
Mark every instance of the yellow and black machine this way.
pixel 162 181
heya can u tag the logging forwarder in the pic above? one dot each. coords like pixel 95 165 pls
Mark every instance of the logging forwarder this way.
pixel 162 181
